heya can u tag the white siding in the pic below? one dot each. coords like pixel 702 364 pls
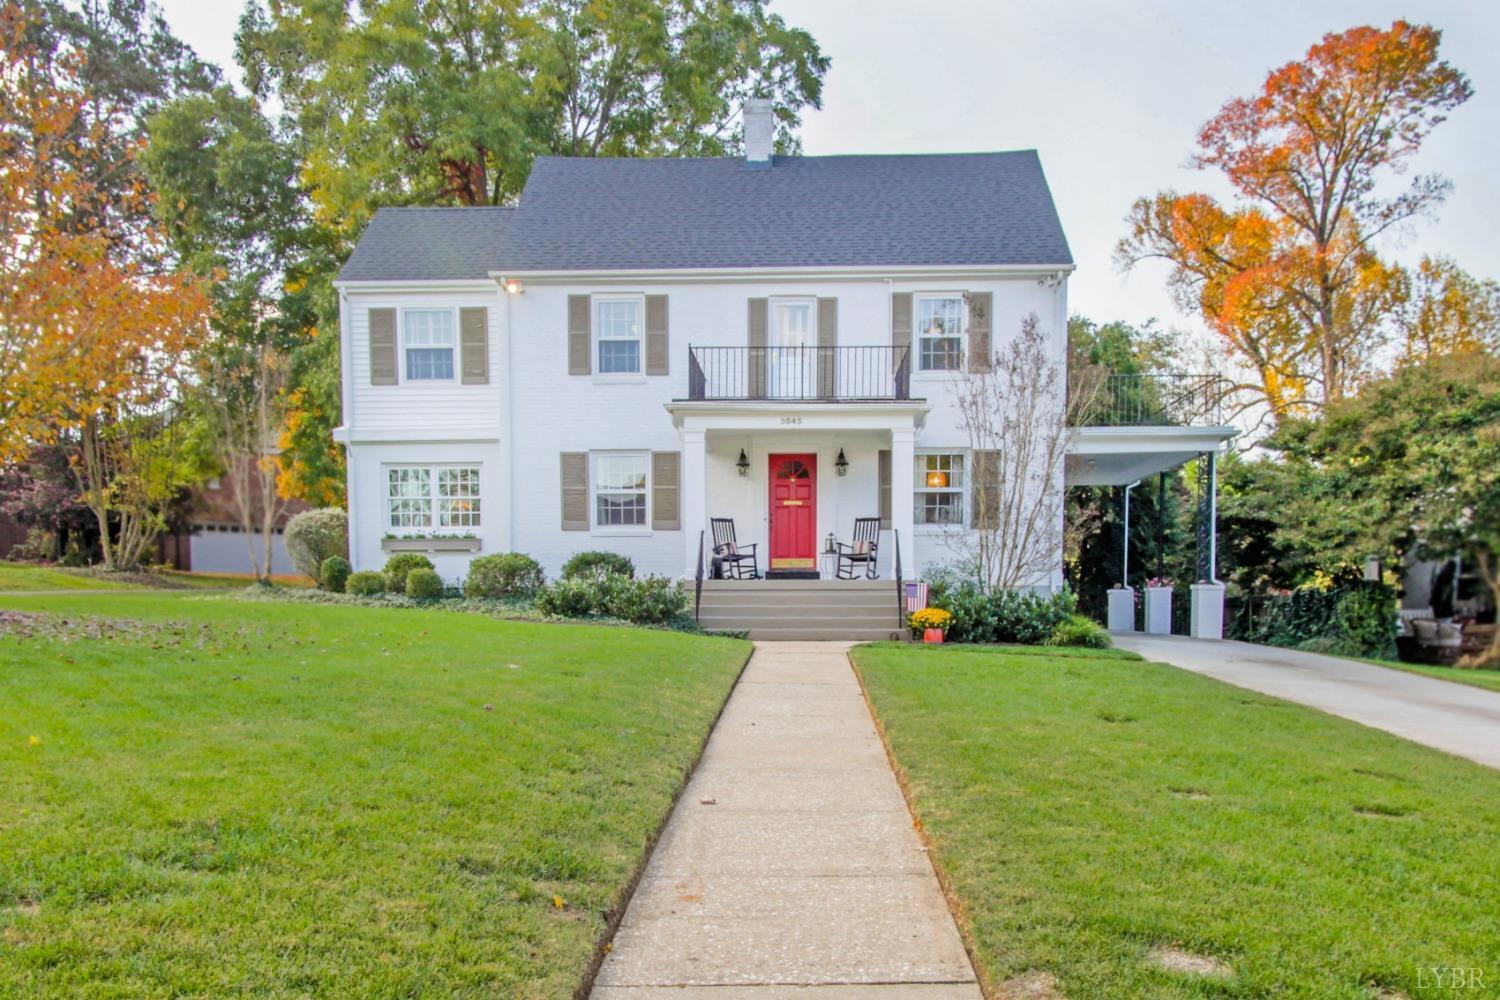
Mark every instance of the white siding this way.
pixel 556 412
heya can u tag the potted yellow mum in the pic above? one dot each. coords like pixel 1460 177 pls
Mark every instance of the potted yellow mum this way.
pixel 932 622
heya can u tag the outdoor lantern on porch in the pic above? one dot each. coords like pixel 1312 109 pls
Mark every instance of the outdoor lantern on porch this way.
pixel 841 464
pixel 830 544
pixel 743 464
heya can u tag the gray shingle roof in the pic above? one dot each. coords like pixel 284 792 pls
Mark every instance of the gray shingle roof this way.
pixel 428 244
pixel 963 208
pixel 620 214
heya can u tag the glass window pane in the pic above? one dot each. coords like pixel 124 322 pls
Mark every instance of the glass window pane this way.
pixel 619 356
pixel 620 490
pixel 426 363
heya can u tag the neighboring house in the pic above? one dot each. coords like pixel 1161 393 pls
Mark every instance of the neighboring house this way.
pixel 641 345
pixel 216 542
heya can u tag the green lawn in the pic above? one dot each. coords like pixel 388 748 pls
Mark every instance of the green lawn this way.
pixel 19 576
pixel 1489 679
pixel 213 797
pixel 1087 810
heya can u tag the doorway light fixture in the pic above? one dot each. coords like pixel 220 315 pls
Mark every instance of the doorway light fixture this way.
pixel 743 464
pixel 514 287
pixel 841 464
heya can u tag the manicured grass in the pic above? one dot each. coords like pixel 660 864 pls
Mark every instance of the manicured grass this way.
pixel 1488 679
pixel 1086 810
pixel 274 799
pixel 19 576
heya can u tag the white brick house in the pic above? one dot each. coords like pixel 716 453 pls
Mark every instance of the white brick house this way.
pixel 642 345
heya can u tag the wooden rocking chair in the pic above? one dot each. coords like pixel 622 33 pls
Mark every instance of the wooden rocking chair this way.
pixel 863 552
pixel 736 561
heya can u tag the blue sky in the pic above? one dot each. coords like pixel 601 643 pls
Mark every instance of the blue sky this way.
pixel 1111 94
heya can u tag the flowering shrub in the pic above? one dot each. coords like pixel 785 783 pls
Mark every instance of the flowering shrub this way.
pixel 930 618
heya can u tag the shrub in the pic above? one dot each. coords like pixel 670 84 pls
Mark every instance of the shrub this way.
pixel 596 565
pixel 569 598
pixel 423 584
pixel 1357 619
pixel 365 584
pixel 402 563
pixel 314 535
pixel 1011 616
pixel 505 574
pixel 1076 630
pixel 334 574
pixel 654 600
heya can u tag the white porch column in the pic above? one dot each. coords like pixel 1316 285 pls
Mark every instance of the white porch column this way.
pixel 694 497
pixel 903 459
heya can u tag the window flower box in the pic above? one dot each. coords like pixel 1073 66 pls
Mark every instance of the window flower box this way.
pixel 434 544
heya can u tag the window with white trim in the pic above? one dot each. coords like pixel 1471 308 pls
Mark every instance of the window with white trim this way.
pixel 428 341
pixel 941 486
pixel 428 498
pixel 618 325
pixel 620 489
pixel 940 332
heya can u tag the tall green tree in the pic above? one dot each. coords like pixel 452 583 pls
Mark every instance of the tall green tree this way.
pixel 426 102
pixel 1411 466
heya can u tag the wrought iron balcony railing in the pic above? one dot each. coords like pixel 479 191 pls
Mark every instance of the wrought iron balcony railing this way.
pixel 831 374
pixel 1152 400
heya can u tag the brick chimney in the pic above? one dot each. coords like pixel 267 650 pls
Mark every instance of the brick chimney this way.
pixel 760 132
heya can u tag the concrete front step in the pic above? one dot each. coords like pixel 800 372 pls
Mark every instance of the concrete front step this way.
pixel 857 610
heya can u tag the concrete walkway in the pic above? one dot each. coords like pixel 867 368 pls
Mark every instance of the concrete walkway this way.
pixel 790 868
pixel 1455 718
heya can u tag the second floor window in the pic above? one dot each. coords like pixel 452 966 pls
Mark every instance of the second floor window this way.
pixel 940 489
pixel 429 342
pixel 618 324
pixel 940 332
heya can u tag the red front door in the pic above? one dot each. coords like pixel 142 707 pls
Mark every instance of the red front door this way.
pixel 794 512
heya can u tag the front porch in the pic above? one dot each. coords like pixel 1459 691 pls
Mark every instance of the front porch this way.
pixel 790 474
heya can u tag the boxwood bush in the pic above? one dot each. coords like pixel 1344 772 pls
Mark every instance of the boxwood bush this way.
pixel 1078 630
pixel 402 563
pixel 505 574
pixel 334 574
pixel 423 584
pixel 595 565
pixel 365 584
pixel 653 600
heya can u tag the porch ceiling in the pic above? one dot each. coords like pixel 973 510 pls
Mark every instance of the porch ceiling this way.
pixel 1115 456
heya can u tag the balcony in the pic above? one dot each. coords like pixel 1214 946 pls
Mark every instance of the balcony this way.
pixel 1156 400
pixel 806 374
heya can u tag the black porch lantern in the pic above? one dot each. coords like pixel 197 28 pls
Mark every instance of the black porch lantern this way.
pixel 841 464
pixel 743 464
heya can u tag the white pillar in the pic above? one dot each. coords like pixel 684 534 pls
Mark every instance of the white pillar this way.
pixel 694 499
pixel 903 519
pixel 1206 613
pixel 1120 616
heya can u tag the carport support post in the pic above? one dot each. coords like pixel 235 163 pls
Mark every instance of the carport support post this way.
pixel 1206 620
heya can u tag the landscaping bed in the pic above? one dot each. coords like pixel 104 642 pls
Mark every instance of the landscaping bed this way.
pixel 1112 827
pixel 207 796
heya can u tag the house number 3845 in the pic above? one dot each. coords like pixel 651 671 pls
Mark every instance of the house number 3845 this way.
pixel 791 420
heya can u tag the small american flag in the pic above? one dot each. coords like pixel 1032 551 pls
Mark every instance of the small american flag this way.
pixel 916 597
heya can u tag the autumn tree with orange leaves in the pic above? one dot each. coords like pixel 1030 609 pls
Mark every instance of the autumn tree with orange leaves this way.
pixel 1288 274
pixel 93 340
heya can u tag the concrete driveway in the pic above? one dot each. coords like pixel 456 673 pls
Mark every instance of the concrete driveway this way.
pixel 1454 718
